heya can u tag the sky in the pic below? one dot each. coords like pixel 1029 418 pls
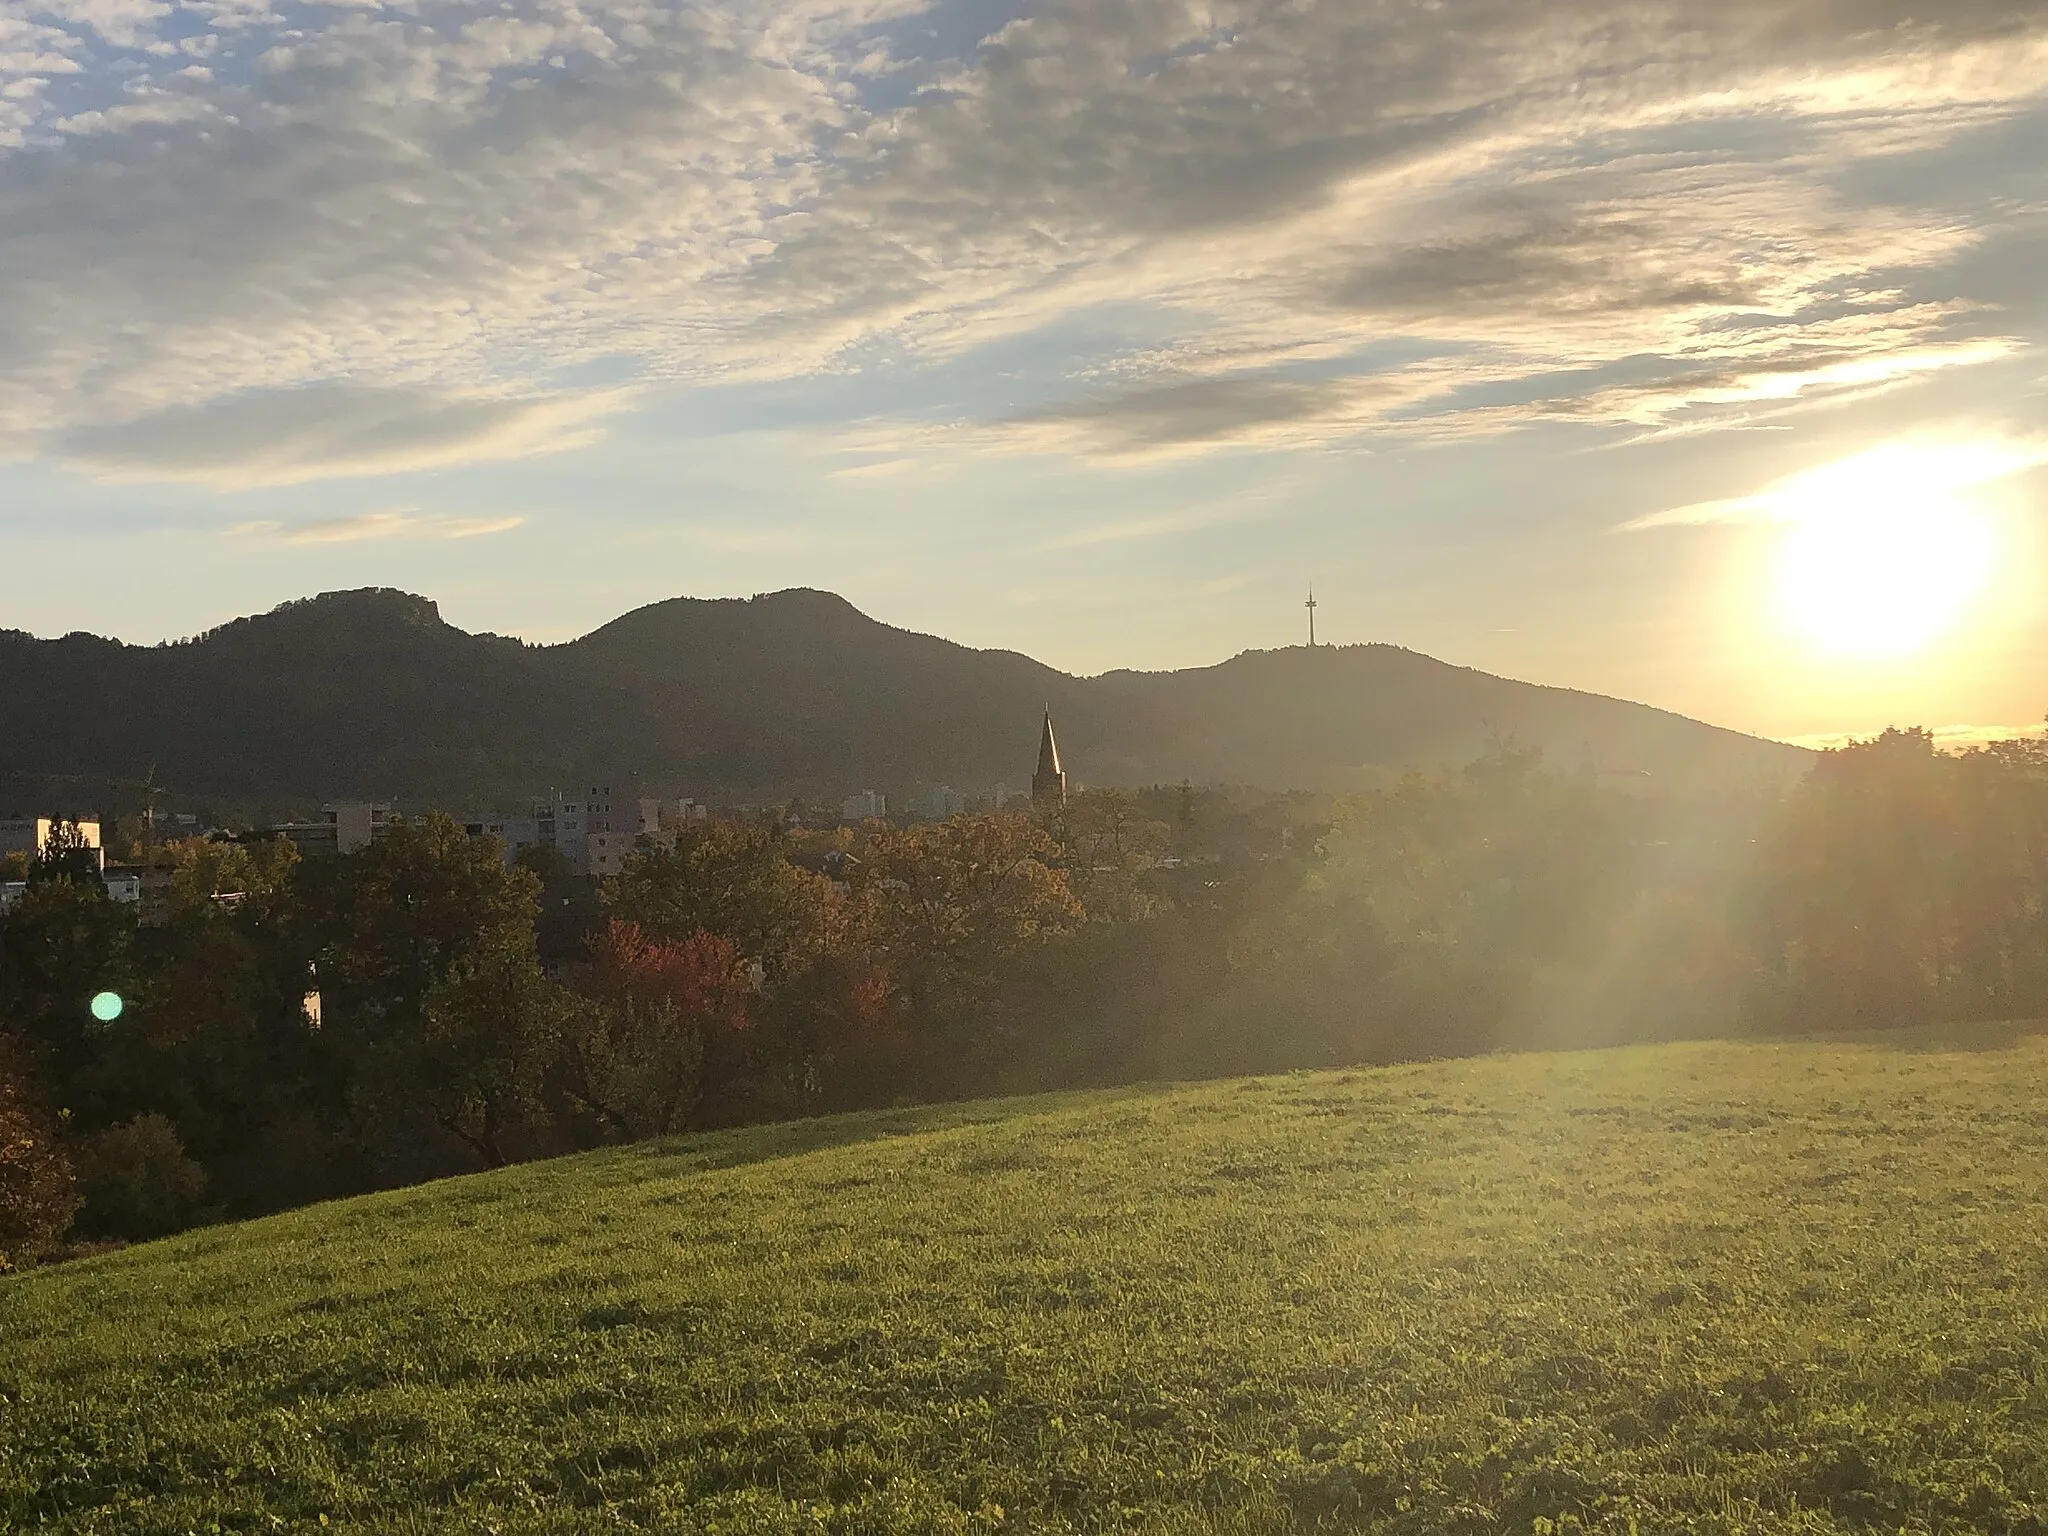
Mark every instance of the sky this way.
pixel 1684 351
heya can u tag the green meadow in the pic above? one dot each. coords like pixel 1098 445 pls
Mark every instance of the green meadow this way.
pixel 1726 1287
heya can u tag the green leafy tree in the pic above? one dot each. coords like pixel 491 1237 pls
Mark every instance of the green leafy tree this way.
pixel 488 1030
pixel 948 903
pixel 1904 883
pixel 137 1182
pixel 217 1038
pixel 416 939
pixel 733 880
pixel 63 943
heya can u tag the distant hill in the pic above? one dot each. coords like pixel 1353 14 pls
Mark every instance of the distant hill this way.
pixel 371 694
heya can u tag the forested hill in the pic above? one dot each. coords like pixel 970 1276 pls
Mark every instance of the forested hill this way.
pixel 370 693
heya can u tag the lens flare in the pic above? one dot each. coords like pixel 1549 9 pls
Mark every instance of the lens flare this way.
pixel 107 1006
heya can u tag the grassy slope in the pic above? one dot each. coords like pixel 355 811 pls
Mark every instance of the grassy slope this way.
pixel 1704 1287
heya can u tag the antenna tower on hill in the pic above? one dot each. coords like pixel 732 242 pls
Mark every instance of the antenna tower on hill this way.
pixel 1311 606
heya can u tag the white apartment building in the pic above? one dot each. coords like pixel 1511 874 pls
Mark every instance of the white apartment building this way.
pixel 595 825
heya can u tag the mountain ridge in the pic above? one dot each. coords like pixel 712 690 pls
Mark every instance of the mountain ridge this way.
pixel 372 693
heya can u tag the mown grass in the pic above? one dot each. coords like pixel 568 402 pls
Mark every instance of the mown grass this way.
pixel 1700 1287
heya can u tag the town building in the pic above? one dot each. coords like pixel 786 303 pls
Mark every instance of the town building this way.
pixel 32 834
pixel 864 806
pixel 659 816
pixel 605 853
pixel 514 833
pixel 344 826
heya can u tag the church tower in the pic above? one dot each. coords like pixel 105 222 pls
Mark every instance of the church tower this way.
pixel 1049 784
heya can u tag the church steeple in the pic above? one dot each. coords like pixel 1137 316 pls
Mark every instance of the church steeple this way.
pixel 1049 784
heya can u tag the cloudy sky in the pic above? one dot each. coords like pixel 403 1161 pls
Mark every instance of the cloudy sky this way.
pixel 1684 350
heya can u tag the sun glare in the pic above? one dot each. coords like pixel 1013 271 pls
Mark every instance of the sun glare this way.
pixel 1885 552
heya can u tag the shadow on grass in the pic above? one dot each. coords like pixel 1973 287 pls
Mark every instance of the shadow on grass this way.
pixel 705 1151
pixel 1981 1035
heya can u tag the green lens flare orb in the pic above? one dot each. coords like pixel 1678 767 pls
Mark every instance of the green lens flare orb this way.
pixel 106 1007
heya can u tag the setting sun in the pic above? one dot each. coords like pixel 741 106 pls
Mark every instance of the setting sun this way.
pixel 1886 551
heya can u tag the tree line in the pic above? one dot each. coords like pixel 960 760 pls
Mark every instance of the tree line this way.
pixel 293 1030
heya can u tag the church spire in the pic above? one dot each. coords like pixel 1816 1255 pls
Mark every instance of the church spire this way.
pixel 1049 784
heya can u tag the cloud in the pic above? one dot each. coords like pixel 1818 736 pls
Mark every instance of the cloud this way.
pixel 291 436
pixel 382 523
pixel 1921 471
pixel 1349 219
pixel 882 469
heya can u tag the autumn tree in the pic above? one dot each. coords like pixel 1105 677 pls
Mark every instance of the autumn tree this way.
pixel 37 1191
pixel 655 1031
pixel 733 880
pixel 949 902
pixel 1108 846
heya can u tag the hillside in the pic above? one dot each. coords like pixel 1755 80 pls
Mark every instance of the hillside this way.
pixel 371 694
pixel 1766 1288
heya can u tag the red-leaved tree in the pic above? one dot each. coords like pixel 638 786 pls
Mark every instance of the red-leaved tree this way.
pixel 652 1040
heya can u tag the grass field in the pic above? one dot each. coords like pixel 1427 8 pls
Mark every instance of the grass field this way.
pixel 1712 1288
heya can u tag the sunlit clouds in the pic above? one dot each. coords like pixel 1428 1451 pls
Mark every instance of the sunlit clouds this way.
pixel 379 523
pixel 200 201
pixel 1885 550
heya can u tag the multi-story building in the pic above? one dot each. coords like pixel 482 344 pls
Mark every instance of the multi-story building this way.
pixel 864 806
pixel 513 832
pixel 32 834
pixel 605 853
pixel 594 826
pixel 658 816
pixel 343 827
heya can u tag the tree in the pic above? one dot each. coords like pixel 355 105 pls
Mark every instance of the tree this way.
pixel 950 901
pixel 63 943
pixel 66 854
pixel 653 1036
pixel 488 1030
pixel 733 880
pixel 417 939
pixel 37 1191
pixel 1903 883
pixel 1108 846
pixel 137 1182
pixel 217 1039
